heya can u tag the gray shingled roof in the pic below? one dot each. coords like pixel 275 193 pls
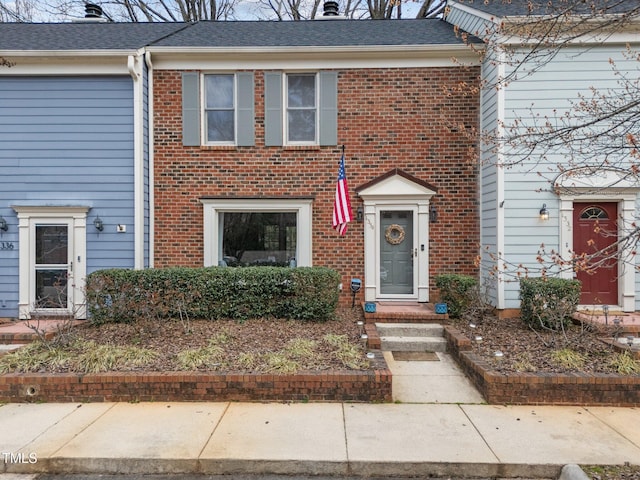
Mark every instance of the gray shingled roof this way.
pixel 322 33
pixel 511 8
pixel 126 36
pixel 82 35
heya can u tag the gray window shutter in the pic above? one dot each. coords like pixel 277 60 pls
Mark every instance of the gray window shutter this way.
pixel 328 108
pixel 246 117
pixel 273 108
pixel 190 109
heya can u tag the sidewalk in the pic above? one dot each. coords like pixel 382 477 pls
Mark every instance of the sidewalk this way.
pixel 317 438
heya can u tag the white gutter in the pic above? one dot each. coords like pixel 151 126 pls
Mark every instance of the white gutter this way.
pixel 444 49
pixel 134 65
pixel 152 212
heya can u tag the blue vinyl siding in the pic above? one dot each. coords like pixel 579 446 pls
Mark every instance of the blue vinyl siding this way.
pixel 67 141
pixel 527 186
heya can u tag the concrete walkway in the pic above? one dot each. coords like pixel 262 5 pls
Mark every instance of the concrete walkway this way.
pixel 317 438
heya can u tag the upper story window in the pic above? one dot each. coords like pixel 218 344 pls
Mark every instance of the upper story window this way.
pixel 301 108
pixel 219 109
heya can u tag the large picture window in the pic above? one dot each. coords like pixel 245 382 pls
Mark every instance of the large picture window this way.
pixel 249 232
pixel 257 238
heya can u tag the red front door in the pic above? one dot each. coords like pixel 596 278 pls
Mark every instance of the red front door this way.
pixel 595 228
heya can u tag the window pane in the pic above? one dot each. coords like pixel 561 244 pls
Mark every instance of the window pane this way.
pixel 220 126
pixel 51 244
pixel 302 125
pixel 302 91
pixel 258 238
pixel 219 91
pixel 51 288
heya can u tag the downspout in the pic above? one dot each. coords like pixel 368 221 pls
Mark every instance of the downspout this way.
pixel 150 127
pixel 134 65
pixel 500 200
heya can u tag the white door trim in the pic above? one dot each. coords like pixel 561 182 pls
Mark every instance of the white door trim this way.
pixel 76 218
pixel 400 193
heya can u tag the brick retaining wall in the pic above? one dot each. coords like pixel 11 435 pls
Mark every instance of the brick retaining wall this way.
pixel 363 386
pixel 542 388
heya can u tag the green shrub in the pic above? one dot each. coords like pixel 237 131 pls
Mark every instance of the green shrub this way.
pixel 548 302
pixel 456 291
pixel 307 293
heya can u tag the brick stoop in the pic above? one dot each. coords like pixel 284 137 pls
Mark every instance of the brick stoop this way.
pixel 404 312
pixel 21 332
pixel 398 312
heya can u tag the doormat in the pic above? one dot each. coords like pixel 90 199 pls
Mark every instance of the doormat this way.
pixel 415 356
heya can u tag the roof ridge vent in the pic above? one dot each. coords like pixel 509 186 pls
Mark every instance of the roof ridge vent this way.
pixel 330 11
pixel 91 10
pixel 93 13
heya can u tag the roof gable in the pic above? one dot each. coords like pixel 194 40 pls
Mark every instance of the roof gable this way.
pixel 396 182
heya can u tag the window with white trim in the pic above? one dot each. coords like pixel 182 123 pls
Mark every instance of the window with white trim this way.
pixel 301 107
pixel 219 109
pixel 257 232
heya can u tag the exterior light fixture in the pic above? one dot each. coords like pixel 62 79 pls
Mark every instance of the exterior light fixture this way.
pixel 605 310
pixel 433 214
pixel 359 214
pixel 544 213
pixel 98 224
pixel 3 224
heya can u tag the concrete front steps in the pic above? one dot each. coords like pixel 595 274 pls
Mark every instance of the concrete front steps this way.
pixel 411 337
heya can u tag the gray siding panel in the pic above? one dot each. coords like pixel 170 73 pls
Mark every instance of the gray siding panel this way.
pixel 67 140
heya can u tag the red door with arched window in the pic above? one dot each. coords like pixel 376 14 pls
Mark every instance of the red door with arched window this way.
pixel 595 233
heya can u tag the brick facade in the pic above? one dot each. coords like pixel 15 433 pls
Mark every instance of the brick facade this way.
pixel 387 118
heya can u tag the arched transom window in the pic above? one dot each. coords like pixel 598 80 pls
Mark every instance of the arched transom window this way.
pixel 593 213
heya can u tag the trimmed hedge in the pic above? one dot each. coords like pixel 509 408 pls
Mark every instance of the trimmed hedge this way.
pixel 456 292
pixel 548 302
pixel 307 293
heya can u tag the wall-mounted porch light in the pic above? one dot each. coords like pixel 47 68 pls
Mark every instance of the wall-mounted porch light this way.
pixel 359 214
pixel 98 224
pixel 3 224
pixel 544 213
pixel 433 214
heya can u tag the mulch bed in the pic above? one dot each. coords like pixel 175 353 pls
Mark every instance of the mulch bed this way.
pixel 526 350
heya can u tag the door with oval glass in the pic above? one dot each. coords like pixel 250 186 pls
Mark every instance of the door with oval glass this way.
pixel 397 253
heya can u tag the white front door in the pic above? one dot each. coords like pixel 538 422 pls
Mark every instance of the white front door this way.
pixel 52 243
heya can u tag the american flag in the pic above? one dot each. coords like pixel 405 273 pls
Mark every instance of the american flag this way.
pixel 342 204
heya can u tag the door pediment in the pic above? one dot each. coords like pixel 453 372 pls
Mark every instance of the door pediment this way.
pixel 397 184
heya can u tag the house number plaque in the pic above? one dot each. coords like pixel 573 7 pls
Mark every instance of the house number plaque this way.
pixel 6 246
